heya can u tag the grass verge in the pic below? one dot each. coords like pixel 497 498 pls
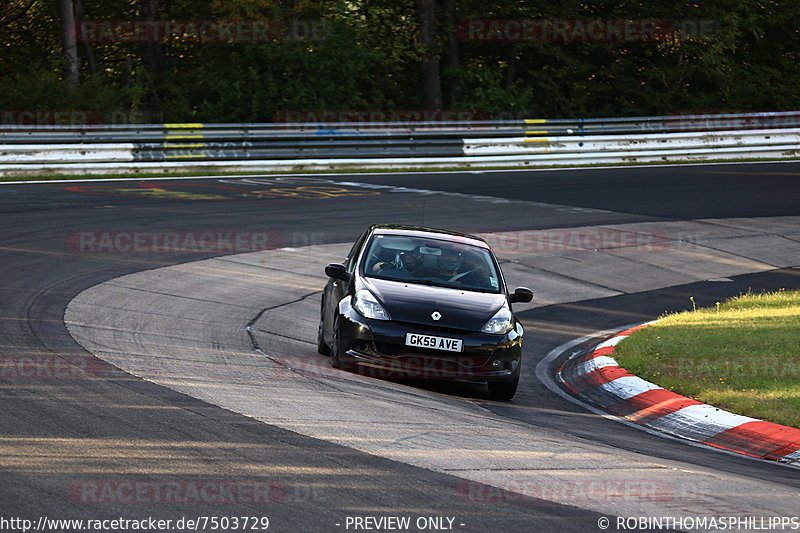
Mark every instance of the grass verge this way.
pixel 742 355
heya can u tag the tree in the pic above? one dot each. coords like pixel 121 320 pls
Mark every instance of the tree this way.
pixel 71 65
pixel 430 69
pixel 151 52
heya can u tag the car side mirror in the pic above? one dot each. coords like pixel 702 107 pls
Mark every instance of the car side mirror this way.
pixel 337 271
pixel 521 295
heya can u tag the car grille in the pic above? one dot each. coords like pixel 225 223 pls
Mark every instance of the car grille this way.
pixel 435 329
pixel 385 348
pixel 424 356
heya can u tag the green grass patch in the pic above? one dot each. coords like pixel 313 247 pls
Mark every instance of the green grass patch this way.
pixel 742 355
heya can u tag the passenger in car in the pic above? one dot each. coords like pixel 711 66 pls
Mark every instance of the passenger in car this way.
pixel 409 261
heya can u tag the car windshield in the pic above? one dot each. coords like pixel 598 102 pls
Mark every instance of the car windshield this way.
pixel 431 262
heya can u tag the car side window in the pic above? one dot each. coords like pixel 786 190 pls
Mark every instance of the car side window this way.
pixel 350 260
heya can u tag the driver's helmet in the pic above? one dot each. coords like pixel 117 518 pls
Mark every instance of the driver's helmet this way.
pixel 449 261
pixel 410 259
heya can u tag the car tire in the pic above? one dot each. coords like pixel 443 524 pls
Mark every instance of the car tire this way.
pixel 322 347
pixel 503 390
pixel 336 359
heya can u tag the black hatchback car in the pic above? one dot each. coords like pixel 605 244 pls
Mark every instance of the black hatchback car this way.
pixel 413 302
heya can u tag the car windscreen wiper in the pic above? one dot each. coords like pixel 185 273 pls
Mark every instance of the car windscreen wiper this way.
pixel 447 285
pixel 433 282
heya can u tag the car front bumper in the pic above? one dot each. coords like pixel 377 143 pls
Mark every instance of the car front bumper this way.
pixel 377 348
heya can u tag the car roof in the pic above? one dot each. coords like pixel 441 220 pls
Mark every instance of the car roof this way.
pixel 433 233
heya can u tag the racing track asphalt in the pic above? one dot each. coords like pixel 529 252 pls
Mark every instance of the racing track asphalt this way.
pixel 57 433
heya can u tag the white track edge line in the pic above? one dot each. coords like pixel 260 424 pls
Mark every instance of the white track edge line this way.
pixel 395 172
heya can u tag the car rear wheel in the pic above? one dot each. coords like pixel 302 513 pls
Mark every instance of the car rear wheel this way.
pixel 503 390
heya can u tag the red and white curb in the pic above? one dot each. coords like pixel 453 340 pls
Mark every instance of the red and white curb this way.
pixel 596 376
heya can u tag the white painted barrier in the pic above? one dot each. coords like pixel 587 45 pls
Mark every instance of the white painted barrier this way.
pixel 65 153
pixel 502 152
pixel 759 140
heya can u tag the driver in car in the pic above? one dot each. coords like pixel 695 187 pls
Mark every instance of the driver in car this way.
pixel 454 268
pixel 448 264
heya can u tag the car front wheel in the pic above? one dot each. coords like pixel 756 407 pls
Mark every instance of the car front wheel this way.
pixel 322 347
pixel 502 390
pixel 335 350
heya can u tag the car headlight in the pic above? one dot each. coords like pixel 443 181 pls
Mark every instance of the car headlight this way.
pixel 500 323
pixel 366 304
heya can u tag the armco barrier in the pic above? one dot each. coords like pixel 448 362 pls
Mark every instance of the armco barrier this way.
pixel 93 149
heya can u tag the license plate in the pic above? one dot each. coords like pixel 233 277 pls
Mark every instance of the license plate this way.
pixel 434 343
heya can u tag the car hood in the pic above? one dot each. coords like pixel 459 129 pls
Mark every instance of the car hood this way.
pixel 412 302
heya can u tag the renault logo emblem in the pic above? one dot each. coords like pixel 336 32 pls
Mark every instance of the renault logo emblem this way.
pixel 436 315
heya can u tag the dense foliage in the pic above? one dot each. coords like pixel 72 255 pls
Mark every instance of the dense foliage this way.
pixel 356 55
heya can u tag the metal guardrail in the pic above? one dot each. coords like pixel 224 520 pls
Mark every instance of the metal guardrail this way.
pixel 588 126
pixel 29 150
